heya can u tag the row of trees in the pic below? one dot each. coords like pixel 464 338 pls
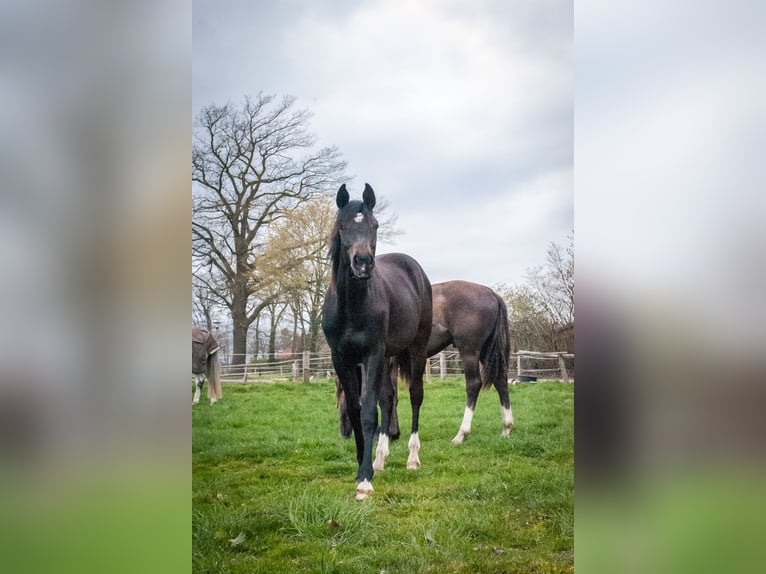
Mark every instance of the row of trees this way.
pixel 262 206
pixel 253 166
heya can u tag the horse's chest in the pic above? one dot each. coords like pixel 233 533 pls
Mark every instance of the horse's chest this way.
pixel 359 336
pixel 354 330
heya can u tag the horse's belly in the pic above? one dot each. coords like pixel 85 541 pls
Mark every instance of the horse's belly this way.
pixel 400 339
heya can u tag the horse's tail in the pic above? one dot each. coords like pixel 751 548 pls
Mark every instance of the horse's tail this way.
pixel 213 377
pixel 496 352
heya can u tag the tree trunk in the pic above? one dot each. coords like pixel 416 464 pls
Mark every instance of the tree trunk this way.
pixel 273 344
pixel 257 336
pixel 208 318
pixel 314 327
pixel 239 342
pixel 294 339
pixel 239 331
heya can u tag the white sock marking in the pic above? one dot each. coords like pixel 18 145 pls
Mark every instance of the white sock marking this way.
pixel 413 461
pixel 381 453
pixel 363 489
pixel 465 426
pixel 507 420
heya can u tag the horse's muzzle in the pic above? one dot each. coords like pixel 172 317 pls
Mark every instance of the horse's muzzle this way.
pixel 362 266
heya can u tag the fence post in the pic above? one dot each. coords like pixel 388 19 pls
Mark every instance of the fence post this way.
pixel 244 373
pixel 442 365
pixel 563 367
pixel 518 366
pixel 428 370
pixel 306 370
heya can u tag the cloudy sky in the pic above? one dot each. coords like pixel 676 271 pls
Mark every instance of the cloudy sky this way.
pixel 459 113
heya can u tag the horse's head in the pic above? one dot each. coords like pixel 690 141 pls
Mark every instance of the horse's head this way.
pixel 355 234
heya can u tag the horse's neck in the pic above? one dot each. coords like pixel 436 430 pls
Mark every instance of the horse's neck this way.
pixel 352 293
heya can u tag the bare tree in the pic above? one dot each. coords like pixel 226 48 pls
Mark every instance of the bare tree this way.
pixel 541 311
pixel 554 284
pixel 202 306
pixel 250 164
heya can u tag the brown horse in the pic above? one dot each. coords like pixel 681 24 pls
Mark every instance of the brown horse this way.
pixel 376 309
pixel 473 318
pixel 205 364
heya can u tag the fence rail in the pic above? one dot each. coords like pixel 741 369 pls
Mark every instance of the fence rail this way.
pixel 309 366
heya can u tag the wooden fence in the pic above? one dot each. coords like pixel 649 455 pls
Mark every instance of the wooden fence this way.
pixel 307 366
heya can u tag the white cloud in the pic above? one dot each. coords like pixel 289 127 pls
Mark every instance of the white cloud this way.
pixel 493 240
pixel 460 114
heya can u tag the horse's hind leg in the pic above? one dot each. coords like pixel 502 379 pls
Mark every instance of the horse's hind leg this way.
pixel 416 400
pixel 505 404
pixel 199 382
pixel 472 388
pixel 386 401
pixel 393 427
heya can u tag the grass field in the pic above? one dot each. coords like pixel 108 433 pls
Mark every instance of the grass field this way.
pixel 273 485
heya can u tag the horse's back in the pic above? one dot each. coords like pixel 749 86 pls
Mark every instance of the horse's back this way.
pixel 467 310
pixel 203 345
pixel 403 272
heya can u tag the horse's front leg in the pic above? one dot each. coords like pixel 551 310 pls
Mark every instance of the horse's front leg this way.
pixel 349 377
pixel 374 371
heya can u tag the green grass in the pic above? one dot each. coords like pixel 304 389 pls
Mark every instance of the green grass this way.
pixel 271 474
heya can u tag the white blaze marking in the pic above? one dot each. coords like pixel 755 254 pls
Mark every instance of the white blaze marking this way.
pixel 359 217
pixel 465 426
pixel 381 453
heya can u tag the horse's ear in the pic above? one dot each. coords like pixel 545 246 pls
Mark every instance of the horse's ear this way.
pixel 342 198
pixel 368 196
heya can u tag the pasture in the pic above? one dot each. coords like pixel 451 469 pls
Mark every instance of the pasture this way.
pixel 273 485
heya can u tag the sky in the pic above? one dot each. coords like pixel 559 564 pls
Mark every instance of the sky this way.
pixel 459 113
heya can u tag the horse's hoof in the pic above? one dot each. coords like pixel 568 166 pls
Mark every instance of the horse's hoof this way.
pixel 457 440
pixel 413 464
pixel 363 489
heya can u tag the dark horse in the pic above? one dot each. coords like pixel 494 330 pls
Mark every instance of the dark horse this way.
pixel 376 309
pixel 205 364
pixel 473 318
